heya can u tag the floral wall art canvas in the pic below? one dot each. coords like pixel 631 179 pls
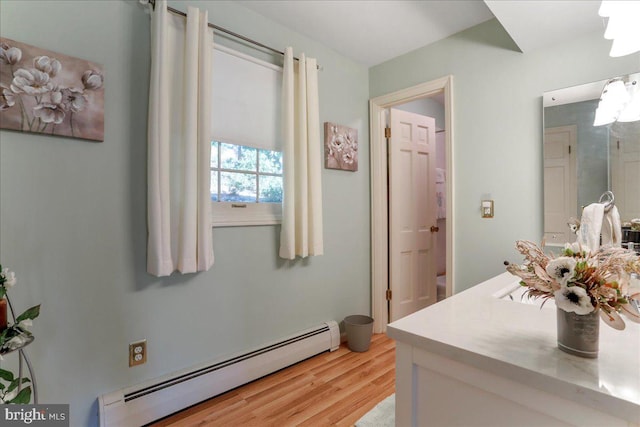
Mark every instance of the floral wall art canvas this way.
pixel 340 147
pixel 50 93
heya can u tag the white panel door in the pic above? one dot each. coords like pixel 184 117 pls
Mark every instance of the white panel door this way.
pixel 560 188
pixel 412 213
pixel 625 169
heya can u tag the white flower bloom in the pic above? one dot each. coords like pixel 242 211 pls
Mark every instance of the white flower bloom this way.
pixel 47 65
pixel 337 143
pixel 49 113
pixel 10 55
pixel 11 280
pixel 7 98
pixel 573 299
pixel 561 269
pixel 72 99
pixel 31 82
pixel 25 324
pixel 15 342
pixel 9 277
pixel 92 80
pixel 348 157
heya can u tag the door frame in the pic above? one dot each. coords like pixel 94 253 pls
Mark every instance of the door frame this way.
pixel 379 191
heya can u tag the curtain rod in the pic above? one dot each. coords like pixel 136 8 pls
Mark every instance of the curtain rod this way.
pixel 229 32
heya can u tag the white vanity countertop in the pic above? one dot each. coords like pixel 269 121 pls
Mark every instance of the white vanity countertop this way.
pixel 518 341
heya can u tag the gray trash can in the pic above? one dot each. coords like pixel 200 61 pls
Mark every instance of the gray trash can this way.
pixel 359 329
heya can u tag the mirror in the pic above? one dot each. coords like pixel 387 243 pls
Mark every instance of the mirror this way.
pixel 582 161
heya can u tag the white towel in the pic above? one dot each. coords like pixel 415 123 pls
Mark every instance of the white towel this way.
pixel 591 226
pixel 441 203
pixel 612 228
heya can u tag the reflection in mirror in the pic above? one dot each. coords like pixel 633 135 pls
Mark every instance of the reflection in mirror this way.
pixel 582 161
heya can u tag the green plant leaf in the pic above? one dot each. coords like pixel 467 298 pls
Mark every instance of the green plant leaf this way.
pixel 3 291
pixel 15 383
pixel 7 334
pixel 23 397
pixel 31 313
pixel 6 375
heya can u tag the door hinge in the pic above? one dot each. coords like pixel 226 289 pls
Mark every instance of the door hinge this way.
pixel 388 294
pixel 618 141
pixel 569 149
pixel 387 132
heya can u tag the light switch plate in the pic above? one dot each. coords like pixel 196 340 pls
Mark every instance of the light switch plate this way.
pixel 487 209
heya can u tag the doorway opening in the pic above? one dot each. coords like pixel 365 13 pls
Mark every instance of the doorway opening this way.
pixel 380 195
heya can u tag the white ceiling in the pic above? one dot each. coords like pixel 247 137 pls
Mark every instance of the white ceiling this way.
pixel 534 23
pixel 371 32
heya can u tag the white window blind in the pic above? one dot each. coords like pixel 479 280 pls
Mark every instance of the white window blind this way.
pixel 246 100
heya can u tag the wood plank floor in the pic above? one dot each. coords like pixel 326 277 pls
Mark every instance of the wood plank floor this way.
pixel 331 389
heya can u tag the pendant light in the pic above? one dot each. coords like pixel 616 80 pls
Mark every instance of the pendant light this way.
pixel 620 101
pixel 623 26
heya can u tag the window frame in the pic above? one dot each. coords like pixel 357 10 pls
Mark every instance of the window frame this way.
pixel 234 214
pixel 223 214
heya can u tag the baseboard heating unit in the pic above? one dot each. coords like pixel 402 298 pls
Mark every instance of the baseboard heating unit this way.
pixel 148 402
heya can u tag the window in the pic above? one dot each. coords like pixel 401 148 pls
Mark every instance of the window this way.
pixel 246 185
pixel 246 151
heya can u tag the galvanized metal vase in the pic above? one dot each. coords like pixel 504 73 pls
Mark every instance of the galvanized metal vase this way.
pixel 579 334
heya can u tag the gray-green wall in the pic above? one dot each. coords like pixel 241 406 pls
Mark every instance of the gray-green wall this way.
pixel 73 221
pixel 72 213
pixel 497 129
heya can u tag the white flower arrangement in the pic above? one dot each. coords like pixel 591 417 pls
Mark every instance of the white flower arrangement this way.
pixel 14 337
pixel 582 282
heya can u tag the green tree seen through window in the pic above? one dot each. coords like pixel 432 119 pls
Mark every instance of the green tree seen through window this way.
pixel 245 174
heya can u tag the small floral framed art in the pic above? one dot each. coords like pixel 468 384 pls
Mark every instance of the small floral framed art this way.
pixel 50 93
pixel 340 147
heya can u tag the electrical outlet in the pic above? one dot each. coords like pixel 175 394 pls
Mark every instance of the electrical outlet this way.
pixel 137 353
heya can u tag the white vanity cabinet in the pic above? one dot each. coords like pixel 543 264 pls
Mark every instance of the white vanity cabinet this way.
pixel 476 359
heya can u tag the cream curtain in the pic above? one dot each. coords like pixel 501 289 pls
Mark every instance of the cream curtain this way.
pixel 301 232
pixel 179 143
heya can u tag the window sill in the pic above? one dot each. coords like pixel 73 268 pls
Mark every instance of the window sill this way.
pixel 244 223
pixel 250 214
